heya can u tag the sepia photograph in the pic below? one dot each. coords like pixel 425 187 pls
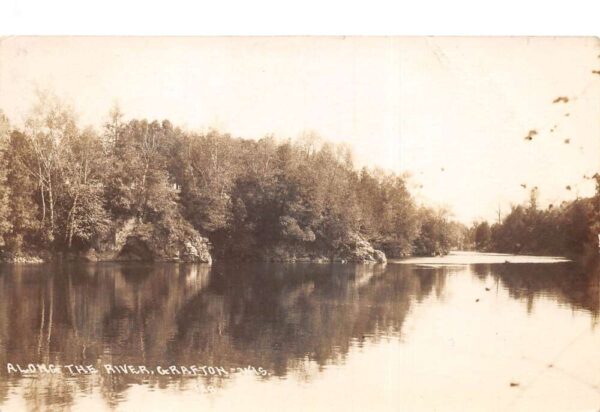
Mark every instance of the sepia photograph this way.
pixel 299 223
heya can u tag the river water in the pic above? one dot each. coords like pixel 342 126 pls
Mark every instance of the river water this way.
pixel 465 332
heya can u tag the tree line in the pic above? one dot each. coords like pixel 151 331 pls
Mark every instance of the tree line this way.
pixel 571 228
pixel 64 188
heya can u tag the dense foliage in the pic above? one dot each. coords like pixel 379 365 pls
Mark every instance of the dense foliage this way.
pixel 570 228
pixel 62 188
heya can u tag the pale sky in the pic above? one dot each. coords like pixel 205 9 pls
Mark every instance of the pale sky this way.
pixel 404 104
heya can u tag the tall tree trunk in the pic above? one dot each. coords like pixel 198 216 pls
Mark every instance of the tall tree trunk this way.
pixel 144 197
pixel 71 222
pixel 51 206
pixel 42 194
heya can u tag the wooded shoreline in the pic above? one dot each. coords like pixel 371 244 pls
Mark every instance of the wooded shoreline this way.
pixel 149 191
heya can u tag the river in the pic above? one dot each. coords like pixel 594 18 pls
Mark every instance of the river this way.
pixel 465 332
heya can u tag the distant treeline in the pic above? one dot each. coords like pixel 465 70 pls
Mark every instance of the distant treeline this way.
pixel 571 228
pixel 63 188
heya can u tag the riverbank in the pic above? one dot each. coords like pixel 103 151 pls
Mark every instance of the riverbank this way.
pixel 366 256
pixel 470 257
pixel 132 241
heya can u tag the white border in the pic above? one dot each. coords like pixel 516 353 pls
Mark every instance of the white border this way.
pixel 304 17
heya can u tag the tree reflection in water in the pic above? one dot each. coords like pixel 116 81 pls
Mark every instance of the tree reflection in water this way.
pixel 282 317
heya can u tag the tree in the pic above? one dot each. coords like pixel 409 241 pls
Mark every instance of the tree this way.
pixel 139 184
pixel 388 214
pixel 434 235
pixel 482 236
pixel 5 224
pixel 208 166
pixel 49 125
pixel 23 213
pixel 84 214
pixel 576 226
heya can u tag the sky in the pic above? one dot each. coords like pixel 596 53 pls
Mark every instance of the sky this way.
pixel 452 112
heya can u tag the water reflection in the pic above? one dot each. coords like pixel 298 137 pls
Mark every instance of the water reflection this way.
pixel 571 284
pixel 281 317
